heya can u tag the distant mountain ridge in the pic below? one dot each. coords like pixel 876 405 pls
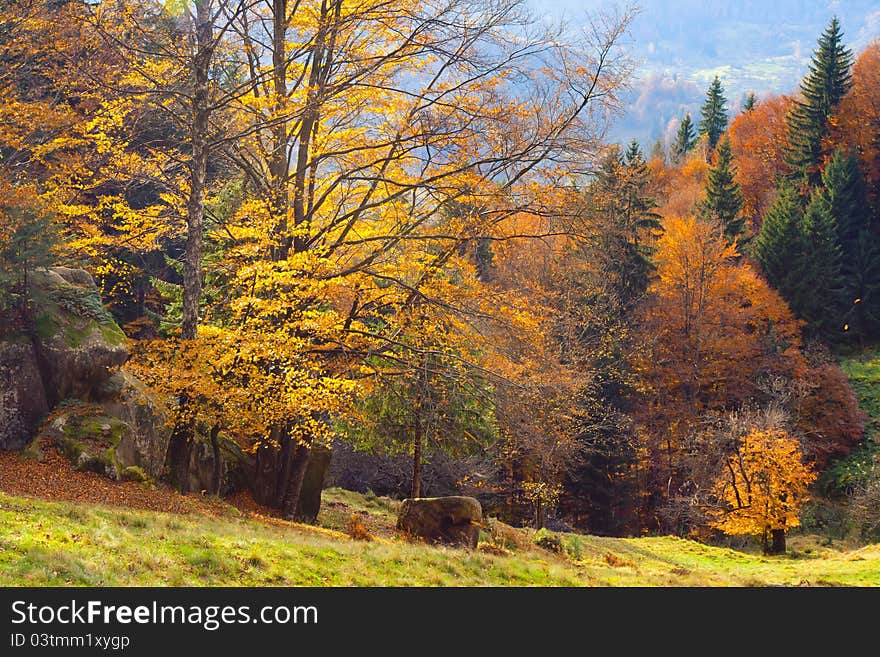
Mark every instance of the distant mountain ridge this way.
pixel 753 45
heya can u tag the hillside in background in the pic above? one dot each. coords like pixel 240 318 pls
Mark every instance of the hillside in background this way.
pixel 752 45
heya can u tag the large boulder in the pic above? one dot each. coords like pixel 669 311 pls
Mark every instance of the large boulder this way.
pixel 86 436
pixel 124 433
pixel 67 362
pixel 454 520
pixel 148 427
pixel 78 343
pixel 22 397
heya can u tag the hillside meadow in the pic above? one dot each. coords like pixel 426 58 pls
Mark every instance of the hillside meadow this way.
pixel 62 544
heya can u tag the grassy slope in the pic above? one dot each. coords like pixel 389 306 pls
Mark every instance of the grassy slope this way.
pixel 49 543
pixel 863 370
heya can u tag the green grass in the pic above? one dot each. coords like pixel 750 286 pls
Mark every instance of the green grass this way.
pixel 50 543
pixel 863 370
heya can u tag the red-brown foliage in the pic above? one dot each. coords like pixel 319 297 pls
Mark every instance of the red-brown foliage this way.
pixel 829 419
pixel 757 139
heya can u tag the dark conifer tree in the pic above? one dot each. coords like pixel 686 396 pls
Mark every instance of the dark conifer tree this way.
pixel 780 246
pixel 724 200
pixel 685 139
pixel 819 298
pixel 714 114
pixel 822 89
pixel 843 188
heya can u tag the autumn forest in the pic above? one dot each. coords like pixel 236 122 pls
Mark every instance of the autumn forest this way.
pixel 390 245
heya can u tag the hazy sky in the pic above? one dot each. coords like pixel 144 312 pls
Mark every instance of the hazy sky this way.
pixel 753 45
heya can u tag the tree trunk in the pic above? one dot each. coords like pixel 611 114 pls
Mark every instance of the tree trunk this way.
pixel 192 262
pixel 416 488
pixel 279 158
pixel 777 544
pixel 295 481
pixel 217 473
pixel 178 456
pixel 539 515
pixel 284 459
pixel 270 466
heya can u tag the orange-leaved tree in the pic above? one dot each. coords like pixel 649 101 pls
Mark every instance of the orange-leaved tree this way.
pixel 757 139
pixel 857 122
pixel 712 330
pixel 762 487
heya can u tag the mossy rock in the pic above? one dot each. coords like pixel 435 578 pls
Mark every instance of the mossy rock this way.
pixel 88 441
pixel 77 339
pixel 33 452
pixel 97 463
pixel 134 473
pixel 95 428
pixel 71 449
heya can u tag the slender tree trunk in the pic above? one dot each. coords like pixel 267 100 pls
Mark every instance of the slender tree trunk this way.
pixel 539 515
pixel 295 481
pixel 192 263
pixel 180 448
pixel 278 161
pixel 418 439
pixel 217 470
pixel 320 59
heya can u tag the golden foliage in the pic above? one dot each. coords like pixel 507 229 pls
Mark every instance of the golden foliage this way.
pixel 763 485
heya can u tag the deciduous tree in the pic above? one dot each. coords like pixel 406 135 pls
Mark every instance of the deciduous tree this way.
pixel 763 486
pixel 757 141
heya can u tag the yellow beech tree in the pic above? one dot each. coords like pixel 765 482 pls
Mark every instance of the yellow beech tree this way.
pixel 762 487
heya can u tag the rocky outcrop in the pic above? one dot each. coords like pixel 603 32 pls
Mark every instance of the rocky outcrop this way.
pixel 148 428
pixel 22 397
pixel 454 520
pixel 235 471
pixel 77 342
pixel 66 365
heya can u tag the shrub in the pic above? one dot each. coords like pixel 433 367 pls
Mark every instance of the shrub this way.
pixel 356 529
pixel 548 541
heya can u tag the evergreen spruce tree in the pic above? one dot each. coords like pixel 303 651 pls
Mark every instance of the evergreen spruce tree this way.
pixel 780 246
pixel 624 216
pixel 749 105
pixel 826 83
pixel 658 151
pixel 713 114
pixel 633 155
pixel 843 185
pixel 862 280
pixel 843 188
pixel 685 139
pixel 818 300
pixel 28 247
pixel 724 200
